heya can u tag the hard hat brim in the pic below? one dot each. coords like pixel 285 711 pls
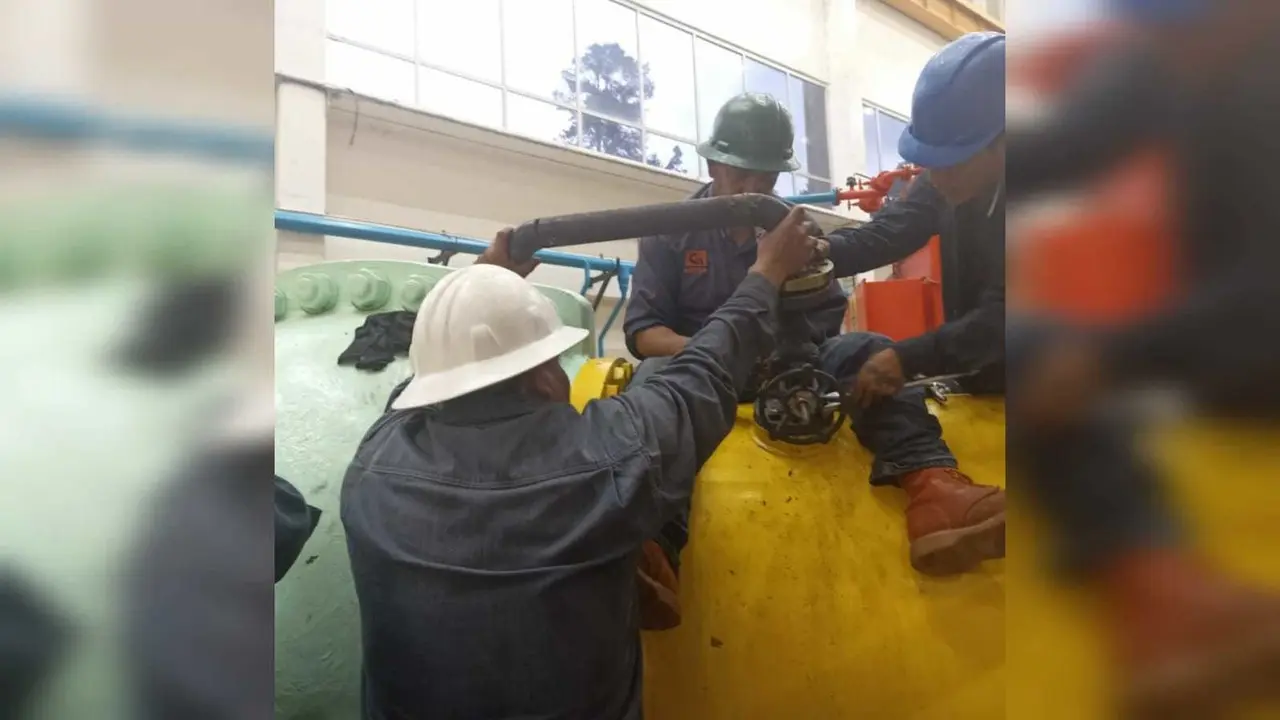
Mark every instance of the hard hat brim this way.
pixel 928 156
pixel 711 153
pixel 435 388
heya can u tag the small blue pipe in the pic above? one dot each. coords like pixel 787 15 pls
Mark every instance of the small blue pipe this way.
pixel 624 284
pixel 313 224
pixel 48 119
pixel 826 198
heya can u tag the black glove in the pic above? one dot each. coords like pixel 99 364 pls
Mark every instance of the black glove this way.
pixel 381 338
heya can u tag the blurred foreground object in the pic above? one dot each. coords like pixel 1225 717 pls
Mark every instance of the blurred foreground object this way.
pixel 1159 275
pixel 108 213
pixel 33 637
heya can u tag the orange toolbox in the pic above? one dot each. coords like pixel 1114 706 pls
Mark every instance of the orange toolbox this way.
pixel 900 309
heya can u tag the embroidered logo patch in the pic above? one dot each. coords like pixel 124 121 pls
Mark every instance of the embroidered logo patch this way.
pixel 695 262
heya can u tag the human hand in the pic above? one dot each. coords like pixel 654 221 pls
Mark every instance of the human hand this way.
pixel 785 250
pixel 1064 383
pixel 881 376
pixel 499 253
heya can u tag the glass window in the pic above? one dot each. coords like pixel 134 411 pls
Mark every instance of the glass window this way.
pixel 719 77
pixel 764 79
pixel 671 155
pixel 786 186
pixel 667 55
pixel 703 174
pixel 611 138
pixel 369 73
pixel 808 185
pixel 386 24
pixel 890 130
pixel 871 138
pixel 541 120
pixel 608 60
pixel 468 42
pixel 808 104
pixel 459 98
pixel 599 74
pixel 538 52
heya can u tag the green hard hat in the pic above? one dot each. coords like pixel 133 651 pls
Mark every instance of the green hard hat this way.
pixel 753 132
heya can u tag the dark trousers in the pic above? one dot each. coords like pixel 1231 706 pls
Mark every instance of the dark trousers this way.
pixel 1099 496
pixel 899 431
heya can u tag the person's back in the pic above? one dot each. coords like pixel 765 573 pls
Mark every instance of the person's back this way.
pixel 495 533
pixel 526 519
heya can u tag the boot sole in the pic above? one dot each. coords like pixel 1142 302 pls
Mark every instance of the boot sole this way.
pixel 1200 688
pixel 951 552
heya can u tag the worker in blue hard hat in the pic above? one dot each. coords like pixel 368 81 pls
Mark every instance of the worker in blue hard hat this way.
pixel 952 523
pixel 1194 78
pixel 957 134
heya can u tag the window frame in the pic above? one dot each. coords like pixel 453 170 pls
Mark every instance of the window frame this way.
pixel 879 110
pixel 695 172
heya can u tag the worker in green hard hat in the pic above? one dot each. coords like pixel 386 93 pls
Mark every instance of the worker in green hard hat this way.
pixel 680 280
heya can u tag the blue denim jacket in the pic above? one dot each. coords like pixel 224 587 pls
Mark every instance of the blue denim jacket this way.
pixel 494 539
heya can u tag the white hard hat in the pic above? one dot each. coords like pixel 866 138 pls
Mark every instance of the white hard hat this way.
pixel 477 327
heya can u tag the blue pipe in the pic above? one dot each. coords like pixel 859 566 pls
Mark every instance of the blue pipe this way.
pixel 313 224
pixel 624 284
pixel 826 198
pixel 69 121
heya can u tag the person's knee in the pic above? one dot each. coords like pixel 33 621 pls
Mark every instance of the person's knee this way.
pixel 845 353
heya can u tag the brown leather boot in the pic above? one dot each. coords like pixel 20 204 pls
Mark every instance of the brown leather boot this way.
pixel 659 589
pixel 952 523
pixel 1190 643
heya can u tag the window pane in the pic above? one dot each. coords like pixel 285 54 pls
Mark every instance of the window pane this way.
pixel 611 138
pixel 670 155
pixel 767 80
pixel 871 139
pixel 808 185
pixel 607 57
pixel 385 24
pixel 667 54
pixel 539 47
pixel 808 105
pixel 719 78
pixel 459 98
pixel 703 174
pixel 368 73
pixel 541 120
pixel 785 187
pixel 890 130
pixel 466 41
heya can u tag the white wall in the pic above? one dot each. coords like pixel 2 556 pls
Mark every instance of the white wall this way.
pixel 373 161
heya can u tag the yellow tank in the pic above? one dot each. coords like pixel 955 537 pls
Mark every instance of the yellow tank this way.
pixel 799 600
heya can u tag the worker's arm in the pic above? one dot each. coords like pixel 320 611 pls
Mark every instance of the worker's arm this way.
pixel 900 229
pixel 684 410
pixel 965 345
pixel 681 413
pixel 653 305
pixel 1176 344
pixel 1120 102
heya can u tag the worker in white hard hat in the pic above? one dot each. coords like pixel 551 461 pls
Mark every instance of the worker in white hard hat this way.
pixel 495 532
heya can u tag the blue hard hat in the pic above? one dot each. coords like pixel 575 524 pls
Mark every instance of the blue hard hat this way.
pixel 958 105
pixel 1161 12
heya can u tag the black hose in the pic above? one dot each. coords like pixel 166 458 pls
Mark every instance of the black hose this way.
pixel 751 210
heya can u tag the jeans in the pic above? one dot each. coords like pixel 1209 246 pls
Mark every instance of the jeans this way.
pixel 900 431
pixel 1099 496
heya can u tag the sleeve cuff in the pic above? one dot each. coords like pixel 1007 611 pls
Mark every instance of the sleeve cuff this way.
pixel 917 356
